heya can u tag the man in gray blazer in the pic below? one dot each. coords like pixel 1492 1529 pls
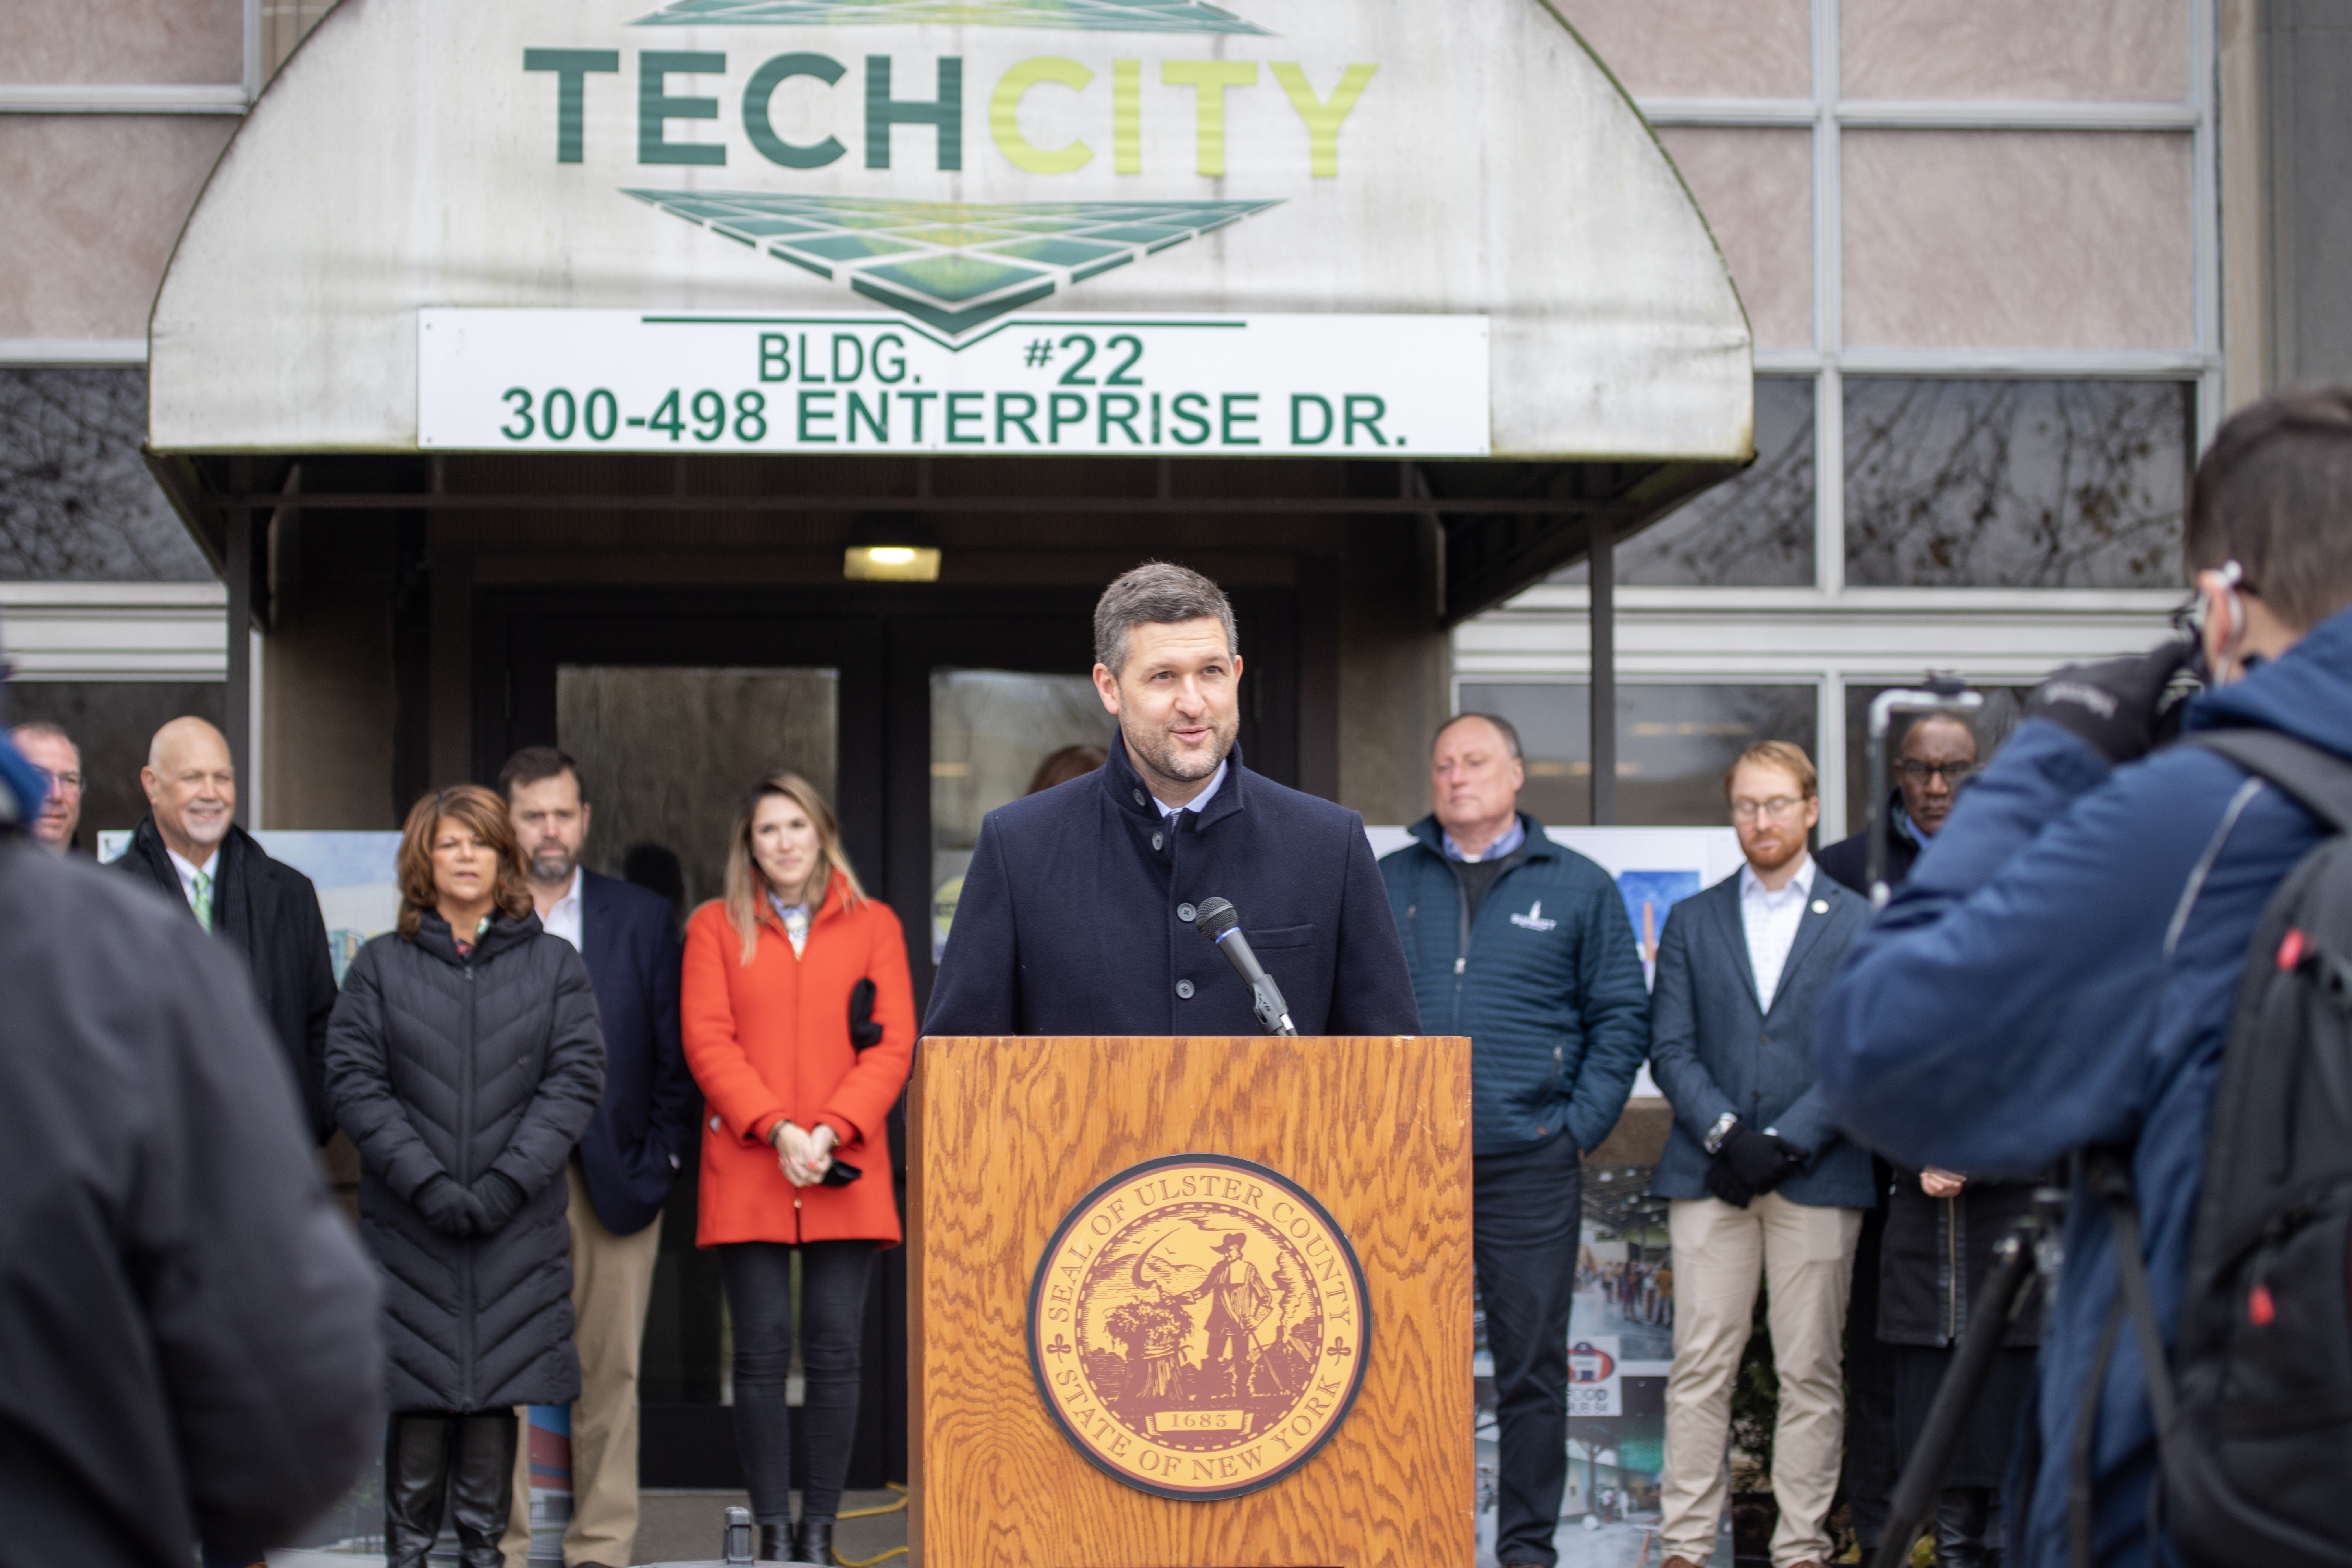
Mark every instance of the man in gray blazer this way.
pixel 1762 1185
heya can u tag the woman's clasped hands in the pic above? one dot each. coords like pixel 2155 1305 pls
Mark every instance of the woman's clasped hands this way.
pixel 803 1155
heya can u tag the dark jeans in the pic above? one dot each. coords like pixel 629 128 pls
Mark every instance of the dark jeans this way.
pixel 833 1276
pixel 1527 1212
pixel 1871 1471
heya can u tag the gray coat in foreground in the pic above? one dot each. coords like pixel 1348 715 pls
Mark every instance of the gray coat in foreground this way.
pixel 441 1064
pixel 1713 1050
pixel 188 1343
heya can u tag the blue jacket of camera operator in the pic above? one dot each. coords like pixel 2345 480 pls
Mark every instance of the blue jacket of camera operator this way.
pixel 2058 972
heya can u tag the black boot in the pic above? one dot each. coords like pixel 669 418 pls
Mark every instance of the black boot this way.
pixel 776 1543
pixel 813 1543
pixel 483 1482
pixel 416 1483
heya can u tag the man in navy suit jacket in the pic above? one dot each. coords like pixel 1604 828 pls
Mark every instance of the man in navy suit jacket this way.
pixel 1076 912
pixel 622 1170
pixel 1763 1185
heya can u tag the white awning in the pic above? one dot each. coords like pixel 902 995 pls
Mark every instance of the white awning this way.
pixel 957 166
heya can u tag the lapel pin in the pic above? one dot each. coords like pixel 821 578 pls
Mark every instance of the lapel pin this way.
pixel 1821 906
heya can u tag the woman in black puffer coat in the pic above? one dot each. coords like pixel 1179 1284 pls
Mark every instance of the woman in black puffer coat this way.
pixel 465 1060
pixel 1941 1228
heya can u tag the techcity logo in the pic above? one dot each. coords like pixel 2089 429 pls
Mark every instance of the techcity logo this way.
pixel 953 266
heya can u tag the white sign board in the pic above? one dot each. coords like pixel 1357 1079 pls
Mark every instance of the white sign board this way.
pixel 843 381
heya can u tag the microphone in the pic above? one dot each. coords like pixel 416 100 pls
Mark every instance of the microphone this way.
pixel 1216 919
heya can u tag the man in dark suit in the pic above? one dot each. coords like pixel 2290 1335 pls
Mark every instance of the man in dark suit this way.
pixel 621 1173
pixel 189 848
pixel 1077 908
pixel 1761 1187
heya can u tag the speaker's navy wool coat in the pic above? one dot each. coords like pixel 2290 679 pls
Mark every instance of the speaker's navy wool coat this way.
pixel 1072 917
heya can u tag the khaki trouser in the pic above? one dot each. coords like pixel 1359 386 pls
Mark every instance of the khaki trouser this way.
pixel 612 1280
pixel 1805 1255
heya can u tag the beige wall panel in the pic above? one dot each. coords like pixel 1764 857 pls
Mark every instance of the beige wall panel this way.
pixel 2127 49
pixel 96 202
pixel 1701 48
pixel 122 41
pixel 2018 240
pixel 1756 190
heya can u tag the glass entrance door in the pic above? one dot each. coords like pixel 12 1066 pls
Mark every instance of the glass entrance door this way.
pixel 666 753
pixel 996 735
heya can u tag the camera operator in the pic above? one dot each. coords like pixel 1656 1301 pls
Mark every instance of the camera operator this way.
pixel 2060 971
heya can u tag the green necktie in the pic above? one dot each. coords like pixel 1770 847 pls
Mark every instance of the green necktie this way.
pixel 204 904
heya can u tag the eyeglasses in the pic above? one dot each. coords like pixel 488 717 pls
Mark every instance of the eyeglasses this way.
pixel 63 780
pixel 1779 808
pixel 1954 773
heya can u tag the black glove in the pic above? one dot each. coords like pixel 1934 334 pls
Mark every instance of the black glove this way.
pixel 447 1207
pixel 863 1030
pixel 1725 1183
pixel 497 1196
pixel 1761 1160
pixel 2120 707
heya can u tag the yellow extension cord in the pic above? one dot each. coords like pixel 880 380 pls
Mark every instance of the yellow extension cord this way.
pixel 898 1507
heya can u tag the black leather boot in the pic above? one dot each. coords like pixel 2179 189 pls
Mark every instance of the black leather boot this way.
pixel 813 1543
pixel 776 1543
pixel 483 1482
pixel 415 1482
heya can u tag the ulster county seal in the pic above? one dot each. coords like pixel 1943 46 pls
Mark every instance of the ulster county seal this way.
pixel 1198 1326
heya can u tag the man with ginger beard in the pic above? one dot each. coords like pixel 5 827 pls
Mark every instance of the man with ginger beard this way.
pixel 1077 911
pixel 1760 1184
pixel 189 848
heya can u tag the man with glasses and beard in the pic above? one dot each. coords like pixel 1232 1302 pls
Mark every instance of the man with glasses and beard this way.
pixel 1761 1187
pixel 1074 910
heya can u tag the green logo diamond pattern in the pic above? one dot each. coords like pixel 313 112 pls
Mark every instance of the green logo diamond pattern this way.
pixel 952 266
pixel 1083 16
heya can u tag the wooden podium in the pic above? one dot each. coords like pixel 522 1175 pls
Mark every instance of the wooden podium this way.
pixel 1224 1364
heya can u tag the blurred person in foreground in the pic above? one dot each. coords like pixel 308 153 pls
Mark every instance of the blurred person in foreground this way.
pixel 800 1025
pixel 189 847
pixel 465 1060
pixel 1762 1185
pixel 2060 971
pixel 621 1174
pixel 1524 946
pixel 188 1332
pixel 1937 755
pixel 51 750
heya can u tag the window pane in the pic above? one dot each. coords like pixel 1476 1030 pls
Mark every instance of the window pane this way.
pixel 1755 530
pixel 76 498
pixel 1674 743
pixel 1992 723
pixel 2015 484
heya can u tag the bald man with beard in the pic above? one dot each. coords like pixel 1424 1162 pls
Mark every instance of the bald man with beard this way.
pixel 189 848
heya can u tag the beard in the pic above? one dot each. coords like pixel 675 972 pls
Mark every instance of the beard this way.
pixel 554 864
pixel 1790 847
pixel 1159 751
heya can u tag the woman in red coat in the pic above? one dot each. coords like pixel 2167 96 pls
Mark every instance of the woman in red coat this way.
pixel 795 1153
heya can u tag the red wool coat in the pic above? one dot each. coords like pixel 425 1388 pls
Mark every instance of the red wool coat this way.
pixel 770 1042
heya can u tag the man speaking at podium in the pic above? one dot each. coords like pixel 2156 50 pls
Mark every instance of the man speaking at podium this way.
pixel 1077 912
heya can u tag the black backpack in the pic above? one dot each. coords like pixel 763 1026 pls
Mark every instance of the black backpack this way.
pixel 2254 1414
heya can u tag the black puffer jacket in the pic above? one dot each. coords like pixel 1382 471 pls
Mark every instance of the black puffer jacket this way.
pixel 1936 1256
pixel 439 1064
